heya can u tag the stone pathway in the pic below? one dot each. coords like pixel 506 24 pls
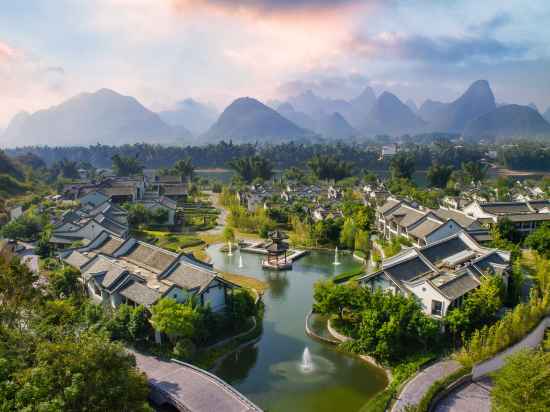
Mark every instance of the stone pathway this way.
pixel 472 397
pixel 415 389
pixel 190 388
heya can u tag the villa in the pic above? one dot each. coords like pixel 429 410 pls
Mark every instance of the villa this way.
pixel 526 216
pixel 116 270
pixel 424 226
pixel 96 214
pixel 441 274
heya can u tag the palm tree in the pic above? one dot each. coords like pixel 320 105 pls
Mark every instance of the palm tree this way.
pixel 184 168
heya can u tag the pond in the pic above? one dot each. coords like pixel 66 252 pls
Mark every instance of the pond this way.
pixel 287 370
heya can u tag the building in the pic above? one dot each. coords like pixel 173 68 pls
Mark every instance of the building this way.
pixel 526 216
pixel 441 274
pixel 424 226
pixel 84 224
pixel 389 150
pixel 116 270
pixel 165 204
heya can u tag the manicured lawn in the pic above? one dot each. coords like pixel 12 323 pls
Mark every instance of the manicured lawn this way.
pixel 168 240
pixel 246 281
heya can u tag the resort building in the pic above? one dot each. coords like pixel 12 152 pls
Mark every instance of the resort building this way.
pixel 116 270
pixel 525 216
pixel 96 214
pixel 424 226
pixel 441 274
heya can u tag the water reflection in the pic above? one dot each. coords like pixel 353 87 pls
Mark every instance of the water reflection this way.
pixel 269 372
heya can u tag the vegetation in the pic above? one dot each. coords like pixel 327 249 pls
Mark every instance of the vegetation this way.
pixel 126 165
pixel 386 326
pixel 439 175
pixel 252 167
pixel 523 383
pixel 58 360
pixel 326 167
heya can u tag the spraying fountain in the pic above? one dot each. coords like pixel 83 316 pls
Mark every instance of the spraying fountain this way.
pixel 307 363
pixel 241 262
pixel 336 262
pixel 230 253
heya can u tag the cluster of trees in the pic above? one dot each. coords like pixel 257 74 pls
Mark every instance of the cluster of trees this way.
pixel 386 326
pixel 28 226
pixel 284 155
pixel 252 168
pixel 126 165
pixel 139 215
pixel 52 357
pixel 327 167
pixel 525 156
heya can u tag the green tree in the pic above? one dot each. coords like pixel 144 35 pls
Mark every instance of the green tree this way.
pixel 329 167
pixel 137 213
pixel 26 226
pixel 476 171
pixel 252 167
pixel 126 165
pixel 177 320
pixel 65 283
pixel 184 168
pixel 347 234
pixel 72 374
pixel 539 240
pixel 523 383
pixel 438 175
pixel 228 234
pixel 402 165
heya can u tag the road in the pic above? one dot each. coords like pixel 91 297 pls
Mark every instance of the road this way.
pixel 472 397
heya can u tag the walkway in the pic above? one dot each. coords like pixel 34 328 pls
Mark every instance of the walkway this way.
pixel 415 389
pixel 471 397
pixel 214 198
pixel 189 388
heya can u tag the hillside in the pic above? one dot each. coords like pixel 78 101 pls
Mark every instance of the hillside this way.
pixel 391 116
pixel 453 117
pixel 104 117
pixel 508 122
pixel 195 116
pixel 248 120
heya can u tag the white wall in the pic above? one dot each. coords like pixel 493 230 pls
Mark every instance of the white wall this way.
pixel 215 296
pixel 426 293
pixel 449 228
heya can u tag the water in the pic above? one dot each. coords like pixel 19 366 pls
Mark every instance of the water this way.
pixel 336 261
pixel 274 373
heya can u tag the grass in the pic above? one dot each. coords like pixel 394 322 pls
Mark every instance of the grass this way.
pixel 346 276
pixel 246 281
pixel 168 240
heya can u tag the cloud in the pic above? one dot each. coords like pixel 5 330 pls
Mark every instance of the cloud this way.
pixel 336 86
pixel 445 49
pixel 7 52
pixel 267 7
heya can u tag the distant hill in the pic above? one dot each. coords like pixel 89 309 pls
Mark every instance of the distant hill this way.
pixel 299 118
pixel 335 126
pixel 412 105
pixel 102 117
pixel 195 116
pixel 248 120
pixel 508 122
pixel 390 115
pixel 430 109
pixel 453 117
pixel 546 115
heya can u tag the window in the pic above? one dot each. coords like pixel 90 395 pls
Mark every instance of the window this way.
pixel 437 307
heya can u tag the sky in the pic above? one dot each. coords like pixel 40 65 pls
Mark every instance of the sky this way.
pixel 164 51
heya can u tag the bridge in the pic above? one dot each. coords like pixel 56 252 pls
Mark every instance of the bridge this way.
pixel 190 389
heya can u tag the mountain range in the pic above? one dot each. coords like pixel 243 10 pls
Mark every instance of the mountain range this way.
pixel 104 117
pixel 108 117
pixel 248 120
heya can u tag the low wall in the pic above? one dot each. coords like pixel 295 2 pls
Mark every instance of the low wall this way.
pixel 532 340
pixel 312 334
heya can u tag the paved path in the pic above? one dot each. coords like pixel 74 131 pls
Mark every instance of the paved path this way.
pixel 192 389
pixel 415 389
pixel 472 397
pixel 214 198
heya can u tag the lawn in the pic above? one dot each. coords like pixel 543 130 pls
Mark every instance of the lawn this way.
pixel 175 242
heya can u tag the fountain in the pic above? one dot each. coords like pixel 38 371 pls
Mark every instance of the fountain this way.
pixel 336 261
pixel 307 363
pixel 241 262
pixel 230 253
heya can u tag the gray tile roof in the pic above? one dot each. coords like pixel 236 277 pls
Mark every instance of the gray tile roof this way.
pixel 76 259
pixel 438 251
pixel 188 276
pixel 459 217
pixel 390 203
pixel 459 286
pixel 424 228
pixel 529 217
pixel 139 293
pixel 408 270
pixel 498 208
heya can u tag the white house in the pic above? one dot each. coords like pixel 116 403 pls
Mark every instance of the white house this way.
pixel 441 274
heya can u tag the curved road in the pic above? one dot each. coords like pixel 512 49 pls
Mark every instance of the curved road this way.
pixel 472 397
pixel 191 388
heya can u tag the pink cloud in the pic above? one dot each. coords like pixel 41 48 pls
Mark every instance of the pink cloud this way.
pixel 7 52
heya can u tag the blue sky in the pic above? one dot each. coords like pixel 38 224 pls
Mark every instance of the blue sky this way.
pixel 163 51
